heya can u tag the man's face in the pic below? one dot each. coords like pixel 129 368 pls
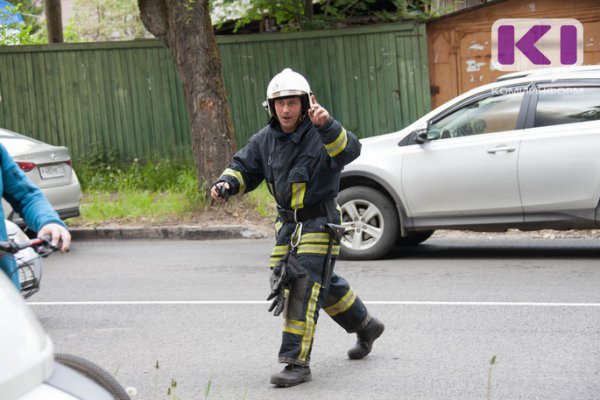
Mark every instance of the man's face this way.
pixel 289 111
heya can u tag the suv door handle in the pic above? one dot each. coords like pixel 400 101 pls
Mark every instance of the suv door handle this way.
pixel 508 149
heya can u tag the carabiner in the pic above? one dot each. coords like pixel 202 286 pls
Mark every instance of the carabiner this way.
pixel 296 236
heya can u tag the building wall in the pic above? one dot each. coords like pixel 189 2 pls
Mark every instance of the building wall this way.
pixel 459 45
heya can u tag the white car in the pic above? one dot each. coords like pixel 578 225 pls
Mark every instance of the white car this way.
pixel 47 166
pixel 30 369
pixel 519 153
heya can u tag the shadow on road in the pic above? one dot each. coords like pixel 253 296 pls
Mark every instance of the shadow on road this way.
pixel 472 248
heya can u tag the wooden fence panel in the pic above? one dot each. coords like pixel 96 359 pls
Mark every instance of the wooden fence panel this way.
pixel 125 98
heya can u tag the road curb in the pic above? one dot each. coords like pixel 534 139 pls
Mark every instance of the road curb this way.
pixel 167 232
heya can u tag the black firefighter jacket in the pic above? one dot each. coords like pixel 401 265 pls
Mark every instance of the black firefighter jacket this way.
pixel 301 169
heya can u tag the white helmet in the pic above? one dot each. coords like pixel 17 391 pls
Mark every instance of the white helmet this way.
pixel 288 83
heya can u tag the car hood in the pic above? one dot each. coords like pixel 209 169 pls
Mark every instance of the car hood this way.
pixel 376 141
pixel 376 144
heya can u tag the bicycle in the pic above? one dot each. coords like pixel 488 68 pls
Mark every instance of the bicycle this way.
pixel 27 254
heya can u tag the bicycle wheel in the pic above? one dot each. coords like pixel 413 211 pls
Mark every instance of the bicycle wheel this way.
pixel 94 372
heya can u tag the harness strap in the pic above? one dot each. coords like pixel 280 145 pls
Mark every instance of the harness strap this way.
pixel 306 213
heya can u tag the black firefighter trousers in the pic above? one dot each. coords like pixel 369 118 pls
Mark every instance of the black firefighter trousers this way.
pixel 307 297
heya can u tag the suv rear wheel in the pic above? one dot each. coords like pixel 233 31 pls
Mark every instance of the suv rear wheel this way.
pixel 371 223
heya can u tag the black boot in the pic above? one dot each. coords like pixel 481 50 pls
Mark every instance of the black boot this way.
pixel 291 375
pixel 366 337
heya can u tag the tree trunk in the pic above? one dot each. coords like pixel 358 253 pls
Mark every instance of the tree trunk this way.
pixel 185 27
pixel 308 10
pixel 52 9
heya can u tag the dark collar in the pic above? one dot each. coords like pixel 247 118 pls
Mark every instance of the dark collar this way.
pixel 296 136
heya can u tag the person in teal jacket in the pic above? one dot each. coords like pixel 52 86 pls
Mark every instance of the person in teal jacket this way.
pixel 30 203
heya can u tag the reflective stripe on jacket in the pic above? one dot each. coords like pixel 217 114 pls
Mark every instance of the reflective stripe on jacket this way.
pixel 301 169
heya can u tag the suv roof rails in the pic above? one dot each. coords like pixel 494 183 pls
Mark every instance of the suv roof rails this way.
pixel 547 71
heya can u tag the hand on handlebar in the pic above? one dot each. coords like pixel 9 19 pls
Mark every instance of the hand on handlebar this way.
pixel 42 245
pixel 57 234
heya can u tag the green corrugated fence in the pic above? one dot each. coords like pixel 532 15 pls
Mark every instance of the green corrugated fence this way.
pixel 125 98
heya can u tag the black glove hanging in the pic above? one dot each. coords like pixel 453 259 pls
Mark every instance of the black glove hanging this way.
pixel 285 272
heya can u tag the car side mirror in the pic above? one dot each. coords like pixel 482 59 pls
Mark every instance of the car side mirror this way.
pixel 420 136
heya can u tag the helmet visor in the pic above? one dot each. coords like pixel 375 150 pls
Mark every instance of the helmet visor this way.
pixel 286 93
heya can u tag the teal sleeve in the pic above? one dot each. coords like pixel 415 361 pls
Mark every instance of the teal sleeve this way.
pixel 25 197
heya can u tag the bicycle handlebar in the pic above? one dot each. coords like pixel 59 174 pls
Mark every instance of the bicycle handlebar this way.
pixel 42 246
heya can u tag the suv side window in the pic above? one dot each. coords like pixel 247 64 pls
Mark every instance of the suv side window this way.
pixel 565 105
pixel 494 113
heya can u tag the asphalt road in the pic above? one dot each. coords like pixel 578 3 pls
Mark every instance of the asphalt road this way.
pixel 196 310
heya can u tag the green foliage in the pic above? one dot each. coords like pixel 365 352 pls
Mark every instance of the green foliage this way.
pixel 207 389
pixel 104 20
pixel 31 31
pixel 420 10
pixel 130 206
pixel 15 34
pixel 70 33
pixel 136 191
pixel 290 15
pixel 263 201
pixel 152 192
pixel 172 389
pixel 109 176
pixel 489 382
pixel 32 12
pixel 93 20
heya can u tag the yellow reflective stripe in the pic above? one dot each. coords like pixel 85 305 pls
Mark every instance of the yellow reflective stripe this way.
pixel 298 191
pixel 294 327
pixel 342 305
pixel 338 145
pixel 317 249
pixel 316 243
pixel 312 249
pixel 310 322
pixel 315 237
pixel 237 175
pixel 277 253
pixel 274 260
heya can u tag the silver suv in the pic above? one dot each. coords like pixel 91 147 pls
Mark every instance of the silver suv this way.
pixel 523 152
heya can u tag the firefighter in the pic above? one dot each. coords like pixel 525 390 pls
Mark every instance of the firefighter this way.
pixel 300 155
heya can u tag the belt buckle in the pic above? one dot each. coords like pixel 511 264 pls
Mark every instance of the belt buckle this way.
pixel 285 215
